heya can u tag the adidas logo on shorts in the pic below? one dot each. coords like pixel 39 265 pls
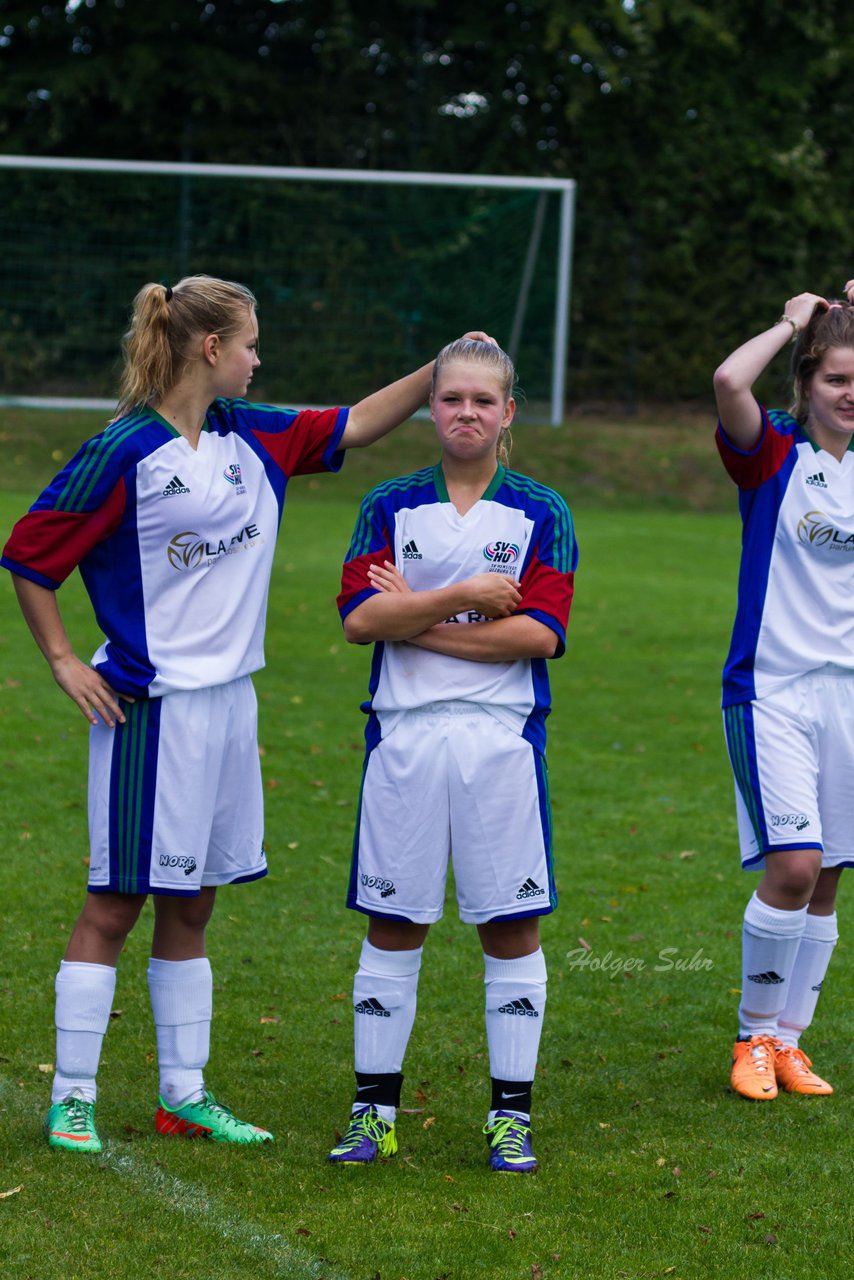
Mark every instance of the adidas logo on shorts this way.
pixel 530 889
pixel 769 979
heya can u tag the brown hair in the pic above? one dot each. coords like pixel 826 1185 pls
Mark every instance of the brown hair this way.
pixel 472 351
pixel 165 324
pixel 826 329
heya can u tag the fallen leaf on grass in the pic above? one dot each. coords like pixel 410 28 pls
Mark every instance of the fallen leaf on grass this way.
pixel 46 1068
pixel 117 1013
pixel 584 944
pixel 511 1233
pixel 707 1231
pixel 269 1018
pixel 536 1271
pixel 771 1239
pixel 754 1217
pixel 431 1120
pixel 303 1231
pixel 13 1191
pixel 342 995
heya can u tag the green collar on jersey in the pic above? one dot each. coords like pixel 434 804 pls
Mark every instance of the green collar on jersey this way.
pixel 168 425
pixel 490 491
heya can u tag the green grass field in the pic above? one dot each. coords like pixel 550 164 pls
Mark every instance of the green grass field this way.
pixel 651 1167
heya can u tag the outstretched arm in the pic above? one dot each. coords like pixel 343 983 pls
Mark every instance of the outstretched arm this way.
pixel 381 412
pixel 737 408
pixel 84 686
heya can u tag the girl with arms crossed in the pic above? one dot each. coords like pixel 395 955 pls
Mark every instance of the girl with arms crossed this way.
pixel 171 515
pixel 788 689
pixel 462 576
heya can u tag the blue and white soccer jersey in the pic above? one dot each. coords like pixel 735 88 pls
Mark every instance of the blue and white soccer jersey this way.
pixel 455 763
pixel 175 546
pixel 788 686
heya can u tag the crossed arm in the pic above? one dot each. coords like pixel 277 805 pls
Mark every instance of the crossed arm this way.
pixel 418 617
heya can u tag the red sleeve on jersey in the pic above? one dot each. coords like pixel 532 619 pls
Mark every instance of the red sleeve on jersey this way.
pixel 308 442
pixel 546 590
pixel 46 546
pixel 355 584
pixel 750 470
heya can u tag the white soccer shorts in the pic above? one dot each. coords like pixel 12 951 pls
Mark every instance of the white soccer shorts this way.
pixel 175 794
pixel 451 782
pixel 792 754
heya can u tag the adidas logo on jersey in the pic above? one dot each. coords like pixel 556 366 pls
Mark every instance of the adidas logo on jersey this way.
pixel 174 487
pixel 411 552
pixel 371 1006
pixel 520 1008
pixel 769 979
pixel 818 480
pixel 530 889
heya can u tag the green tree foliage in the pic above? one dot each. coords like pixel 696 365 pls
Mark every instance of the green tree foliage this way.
pixel 709 142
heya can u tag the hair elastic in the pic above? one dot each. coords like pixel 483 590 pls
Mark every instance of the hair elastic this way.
pixel 168 293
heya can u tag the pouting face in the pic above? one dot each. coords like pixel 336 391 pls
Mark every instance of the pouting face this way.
pixel 469 410
pixel 830 395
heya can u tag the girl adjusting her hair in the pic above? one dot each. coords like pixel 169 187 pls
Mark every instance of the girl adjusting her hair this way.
pixel 788 685
pixel 171 515
pixel 461 575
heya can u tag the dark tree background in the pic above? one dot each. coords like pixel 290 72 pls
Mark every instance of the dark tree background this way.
pixel 710 143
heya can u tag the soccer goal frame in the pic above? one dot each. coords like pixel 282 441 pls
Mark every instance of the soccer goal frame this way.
pixel 563 187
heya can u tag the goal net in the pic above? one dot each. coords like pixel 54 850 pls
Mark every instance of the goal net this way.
pixel 359 276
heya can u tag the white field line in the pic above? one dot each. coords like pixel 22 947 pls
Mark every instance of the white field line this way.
pixel 194 1202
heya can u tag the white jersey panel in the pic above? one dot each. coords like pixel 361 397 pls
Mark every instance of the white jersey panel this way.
pixel 808 618
pixel 207 520
pixel 434 547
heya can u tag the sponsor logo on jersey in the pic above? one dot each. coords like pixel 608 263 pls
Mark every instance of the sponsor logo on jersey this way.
pixel 501 554
pixel 797 820
pixel 189 550
pixel 411 552
pixel 769 979
pixel 185 864
pixel 520 1008
pixel 232 475
pixel 818 480
pixel 371 1006
pixel 174 487
pixel 530 889
pixel 386 887
pixel 817 529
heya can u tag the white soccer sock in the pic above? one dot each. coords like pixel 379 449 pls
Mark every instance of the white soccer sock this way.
pixel 385 992
pixel 770 941
pixel 84 998
pixel 182 1004
pixel 817 942
pixel 515 1004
